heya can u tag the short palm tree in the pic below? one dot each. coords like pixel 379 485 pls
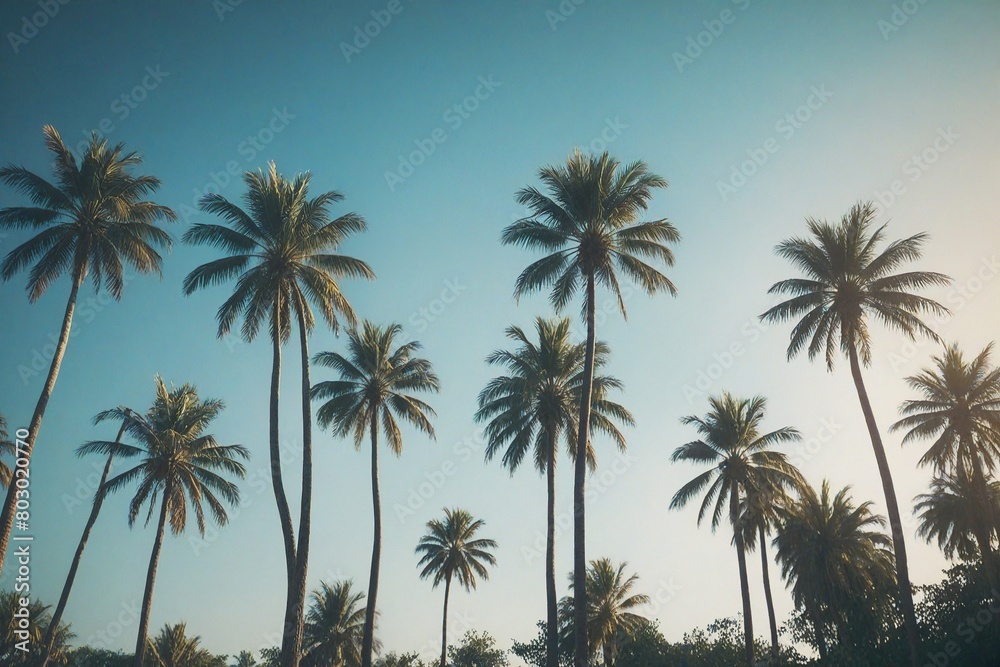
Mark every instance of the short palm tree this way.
pixel 589 225
pixel 91 222
pixel 178 469
pixel 742 463
pixel 451 550
pixel 534 407
pixel 246 659
pixel 38 623
pixel 959 409
pixel 6 449
pixel 335 626
pixel 373 390
pixel 280 250
pixel 611 615
pixel 837 560
pixel 122 414
pixel 849 280
pixel 173 648
pixel 952 514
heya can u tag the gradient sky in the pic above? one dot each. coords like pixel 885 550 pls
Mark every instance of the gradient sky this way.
pixel 885 96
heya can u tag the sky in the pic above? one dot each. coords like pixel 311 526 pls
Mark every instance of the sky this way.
pixel 759 114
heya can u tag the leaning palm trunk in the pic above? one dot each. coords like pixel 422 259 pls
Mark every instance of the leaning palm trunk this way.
pixel 744 582
pixel 767 593
pixel 552 608
pixel 147 596
pixel 444 623
pixel 895 522
pixel 7 515
pixel 580 480
pixel 291 652
pixel 368 639
pixel 74 566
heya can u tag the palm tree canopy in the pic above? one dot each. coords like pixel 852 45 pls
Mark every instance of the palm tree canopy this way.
pixel 334 626
pixel 847 281
pixel 540 396
pixel 740 455
pixel 92 220
pixel 7 448
pixel 589 223
pixel 173 648
pixel 280 247
pixel 450 550
pixel 375 378
pixel 831 550
pixel 959 408
pixel 177 458
pixel 611 603
pixel 951 513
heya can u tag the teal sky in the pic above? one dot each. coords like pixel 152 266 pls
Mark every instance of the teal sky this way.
pixel 270 81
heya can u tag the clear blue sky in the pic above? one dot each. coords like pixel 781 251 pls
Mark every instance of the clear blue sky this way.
pixel 879 96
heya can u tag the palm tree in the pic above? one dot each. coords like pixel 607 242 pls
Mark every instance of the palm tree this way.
pixel 178 461
pixel 589 224
pixel 6 449
pixel 451 550
pixel 742 465
pixel 246 659
pixel 279 249
pixel 535 406
pixel 335 626
pixel 173 648
pixel 122 413
pixel 847 281
pixel 952 513
pixel 373 387
pixel 38 625
pixel 959 408
pixel 836 558
pixel 609 615
pixel 91 222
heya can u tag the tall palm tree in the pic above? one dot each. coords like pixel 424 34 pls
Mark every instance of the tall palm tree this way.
pixel 588 223
pixel 952 513
pixel 6 449
pixel 178 461
pixel 848 280
pixel 536 405
pixel 335 626
pixel 372 391
pixel 123 414
pixel 742 463
pixel 280 250
pixel 92 221
pixel 959 408
pixel 173 648
pixel 450 550
pixel 610 615
pixel 836 558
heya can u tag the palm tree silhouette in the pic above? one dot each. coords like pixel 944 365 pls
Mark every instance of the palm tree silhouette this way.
pixel 335 626
pixel 589 224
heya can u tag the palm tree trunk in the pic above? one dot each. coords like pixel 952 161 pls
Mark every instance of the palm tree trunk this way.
pixel 444 623
pixel 147 596
pixel 606 650
pixel 582 649
pixel 552 603
pixel 895 523
pixel 297 595
pixel 7 515
pixel 368 639
pixel 284 514
pixel 74 566
pixel 983 537
pixel 772 622
pixel 744 580
pixel 818 630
